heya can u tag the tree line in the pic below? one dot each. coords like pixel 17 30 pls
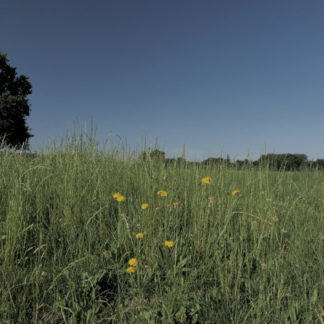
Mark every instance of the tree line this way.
pixel 279 162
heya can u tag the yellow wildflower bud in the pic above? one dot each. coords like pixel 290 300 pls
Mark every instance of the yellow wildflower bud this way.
pixel 162 193
pixel 235 192
pixel 132 262
pixel 169 244
pixel 139 235
pixel 131 270
pixel 207 180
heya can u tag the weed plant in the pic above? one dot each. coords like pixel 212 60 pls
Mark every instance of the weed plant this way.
pixel 200 253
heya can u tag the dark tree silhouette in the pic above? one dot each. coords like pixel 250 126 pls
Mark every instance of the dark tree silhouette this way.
pixel 153 155
pixel 283 162
pixel 14 106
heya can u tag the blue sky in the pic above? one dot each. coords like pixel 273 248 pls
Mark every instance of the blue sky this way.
pixel 216 77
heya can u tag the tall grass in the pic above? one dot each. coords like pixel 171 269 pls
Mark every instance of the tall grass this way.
pixel 256 257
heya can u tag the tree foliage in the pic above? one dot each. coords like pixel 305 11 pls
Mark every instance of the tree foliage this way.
pixel 212 161
pixel 14 106
pixel 153 155
pixel 275 162
pixel 284 161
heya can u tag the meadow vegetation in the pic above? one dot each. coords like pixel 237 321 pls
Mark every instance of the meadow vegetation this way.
pixel 92 237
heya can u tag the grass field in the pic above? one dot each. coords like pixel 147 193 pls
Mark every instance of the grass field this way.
pixel 196 253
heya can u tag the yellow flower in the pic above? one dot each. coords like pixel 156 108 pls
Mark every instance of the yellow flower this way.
pixel 144 206
pixel 169 243
pixel 162 193
pixel 119 197
pixel 116 194
pixel 235 192
pixel 207 180
pixel 132 262
pixel 139 235
pixel 131 269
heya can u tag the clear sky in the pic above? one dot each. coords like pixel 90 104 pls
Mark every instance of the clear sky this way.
pixel 216 76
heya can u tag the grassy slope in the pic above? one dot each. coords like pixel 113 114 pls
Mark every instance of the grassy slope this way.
pixel 65 242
